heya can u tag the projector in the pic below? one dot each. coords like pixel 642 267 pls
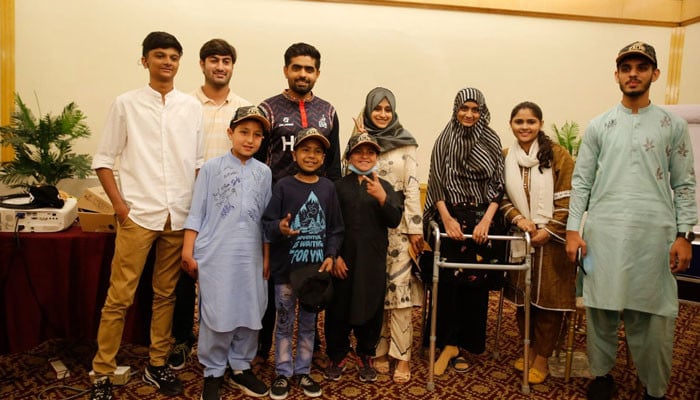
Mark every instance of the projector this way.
pixel 39 219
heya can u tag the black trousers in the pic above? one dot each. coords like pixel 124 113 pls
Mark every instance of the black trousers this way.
pixel 268 322
pixel 462 304
pixel 183 315
pixel 338 331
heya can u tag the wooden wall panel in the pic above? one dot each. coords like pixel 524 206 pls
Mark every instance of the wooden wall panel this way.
pixel 7 67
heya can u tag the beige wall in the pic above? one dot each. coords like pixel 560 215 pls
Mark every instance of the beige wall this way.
pixel 87 51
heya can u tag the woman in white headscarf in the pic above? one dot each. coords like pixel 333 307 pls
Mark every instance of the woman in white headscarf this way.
pixel 538 185
pixel 396 164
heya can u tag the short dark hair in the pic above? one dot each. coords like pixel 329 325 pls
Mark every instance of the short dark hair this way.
pixel 160 40
pixel 217 47
pixel 302 49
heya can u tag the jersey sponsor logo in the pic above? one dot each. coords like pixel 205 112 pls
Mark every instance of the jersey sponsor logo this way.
pixel 286 122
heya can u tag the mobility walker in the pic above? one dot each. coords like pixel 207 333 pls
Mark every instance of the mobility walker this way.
pixel 442 263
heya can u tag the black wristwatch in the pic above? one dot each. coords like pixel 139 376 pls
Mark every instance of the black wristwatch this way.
pixel 689 236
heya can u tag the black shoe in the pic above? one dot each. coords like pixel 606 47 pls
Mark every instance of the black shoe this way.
pixel 647 396
pixel 311 388
pixel 365 370
pixel 280 388
pixel 212 388
pixel 249 383
pixel 335 370
pixel 602 388
pixel 101 389
pixel 179 355
pixel 164 379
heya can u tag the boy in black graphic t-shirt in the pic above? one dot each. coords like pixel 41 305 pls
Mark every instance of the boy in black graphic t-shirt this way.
pixel 304 225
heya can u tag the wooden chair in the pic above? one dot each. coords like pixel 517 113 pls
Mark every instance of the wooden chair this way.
pixel 574 322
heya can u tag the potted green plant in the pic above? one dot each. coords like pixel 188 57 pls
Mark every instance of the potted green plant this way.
pixel 43 147
pixel 568 136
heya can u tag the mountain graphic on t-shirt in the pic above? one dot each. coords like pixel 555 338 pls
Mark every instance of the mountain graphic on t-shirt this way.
pixel 310 220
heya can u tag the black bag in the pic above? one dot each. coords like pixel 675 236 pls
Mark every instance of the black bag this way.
pixel 423 269
pixel 39 197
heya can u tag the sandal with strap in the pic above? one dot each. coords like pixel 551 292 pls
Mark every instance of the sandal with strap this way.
pixel 460 364
pixel 401 377
pixel 381 365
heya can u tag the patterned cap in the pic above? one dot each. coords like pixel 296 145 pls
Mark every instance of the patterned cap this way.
pixel 311 133
pixel 637 48
pixel 363 138
pixel 250 112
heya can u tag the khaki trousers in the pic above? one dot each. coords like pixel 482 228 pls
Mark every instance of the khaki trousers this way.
pixel 132 245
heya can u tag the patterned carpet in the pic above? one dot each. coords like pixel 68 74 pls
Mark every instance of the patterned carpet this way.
pixel 30 376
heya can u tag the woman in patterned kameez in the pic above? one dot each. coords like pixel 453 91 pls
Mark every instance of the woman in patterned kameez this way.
pixel 538 184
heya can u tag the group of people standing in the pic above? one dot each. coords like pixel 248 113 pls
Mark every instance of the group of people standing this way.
pixel 258 205
pixel 634 178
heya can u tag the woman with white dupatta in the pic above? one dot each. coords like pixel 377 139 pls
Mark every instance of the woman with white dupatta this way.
pixel 538 184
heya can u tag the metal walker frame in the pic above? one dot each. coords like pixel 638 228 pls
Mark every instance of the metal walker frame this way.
pixel 442 263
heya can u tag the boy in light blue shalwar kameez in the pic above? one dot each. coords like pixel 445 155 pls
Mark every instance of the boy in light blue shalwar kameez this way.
pixel 224 250
pixel 634 175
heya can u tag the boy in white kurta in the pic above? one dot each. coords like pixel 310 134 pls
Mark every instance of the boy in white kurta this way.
pixel 224 249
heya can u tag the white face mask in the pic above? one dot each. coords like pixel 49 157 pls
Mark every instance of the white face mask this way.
pixel 358 172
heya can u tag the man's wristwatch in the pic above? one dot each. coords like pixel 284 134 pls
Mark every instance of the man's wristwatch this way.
pixel 689 236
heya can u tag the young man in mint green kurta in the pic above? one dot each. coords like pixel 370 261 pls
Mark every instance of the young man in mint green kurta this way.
pixel 634 175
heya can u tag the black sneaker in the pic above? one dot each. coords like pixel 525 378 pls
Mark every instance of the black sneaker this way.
pixel 280 388
pixel 179 355
pixel 311 388
pixel 212 388
pixel 164 379
pixel 249 383
pixel 602 388
pixel 365 371
pixel 335 370
pixel 101 389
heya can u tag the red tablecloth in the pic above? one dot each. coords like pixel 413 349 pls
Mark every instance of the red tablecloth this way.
pixel 53 285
